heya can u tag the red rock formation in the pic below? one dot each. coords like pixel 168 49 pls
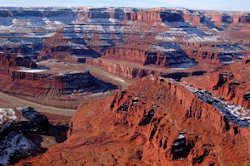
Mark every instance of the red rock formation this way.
pixel 204 53
pixel 37 85
pixel 151 123
pixel 122 69
pixel 194 19
pixel 216 18
pixel 220 18
pixel 55 47
pixel 145 54
pixel 134 54
pixel 230 82
pixel 145 16
pixel 13 61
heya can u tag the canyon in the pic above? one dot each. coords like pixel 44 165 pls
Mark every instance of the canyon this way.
pixel 127 86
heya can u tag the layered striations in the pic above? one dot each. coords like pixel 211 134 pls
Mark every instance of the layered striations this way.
pixel 21 76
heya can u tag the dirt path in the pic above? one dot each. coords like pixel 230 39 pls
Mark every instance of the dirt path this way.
pixel 8 101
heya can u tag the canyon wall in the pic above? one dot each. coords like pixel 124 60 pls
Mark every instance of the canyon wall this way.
pixel 230 82
pixel 122 69
pixel 9 61
pixel 151 123
pixel 167 57
pixel 45 86
pixel 88 32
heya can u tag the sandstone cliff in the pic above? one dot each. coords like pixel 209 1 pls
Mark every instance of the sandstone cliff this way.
pixel 229 81
pixel 151 123
pixel 13 61
pixel 122 69
pixel 20 76
pixel 55 47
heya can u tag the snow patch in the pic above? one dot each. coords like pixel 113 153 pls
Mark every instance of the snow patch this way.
pixel 7 114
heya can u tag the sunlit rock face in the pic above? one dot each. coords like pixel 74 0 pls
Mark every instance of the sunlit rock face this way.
pixel 153 122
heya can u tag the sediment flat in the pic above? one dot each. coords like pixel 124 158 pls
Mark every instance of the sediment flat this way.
pixel 9 101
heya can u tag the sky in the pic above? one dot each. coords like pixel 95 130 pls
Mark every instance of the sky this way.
pixel 233 5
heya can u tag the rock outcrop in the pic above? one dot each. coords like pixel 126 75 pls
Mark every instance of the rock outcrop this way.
pixel 36 84
pixel 8 61
pixel 164 54
pixel 122 69
pixel 153 122
pixel 56 47
pixel 214 53
pixel 62 84
pixel 59 47
pixel 245 19
pixel 230 82
pixel 21 139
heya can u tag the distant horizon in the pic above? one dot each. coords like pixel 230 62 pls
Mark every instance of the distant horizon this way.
pixel 74 7
pixel 70 7
pixel 211 5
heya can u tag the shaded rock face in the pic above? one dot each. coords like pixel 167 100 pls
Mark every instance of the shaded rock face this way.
pixel 181 148
pixel 227 19
pixel 147 118
pixel 14 61
pixel 179 75
pixel 170 59
pixel 101 13
pixel 22 139
pixel 150 123
pixel 15 146
pixel 172 16
pixel 247 96
pixel 36 118
pixel 245 19
pixel 55 85
pixel 83 82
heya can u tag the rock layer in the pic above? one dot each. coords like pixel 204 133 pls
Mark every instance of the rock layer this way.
pixel 122 69
pixel 35 83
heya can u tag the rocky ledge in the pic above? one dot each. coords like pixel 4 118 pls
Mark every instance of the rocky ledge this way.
pixel 21 76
